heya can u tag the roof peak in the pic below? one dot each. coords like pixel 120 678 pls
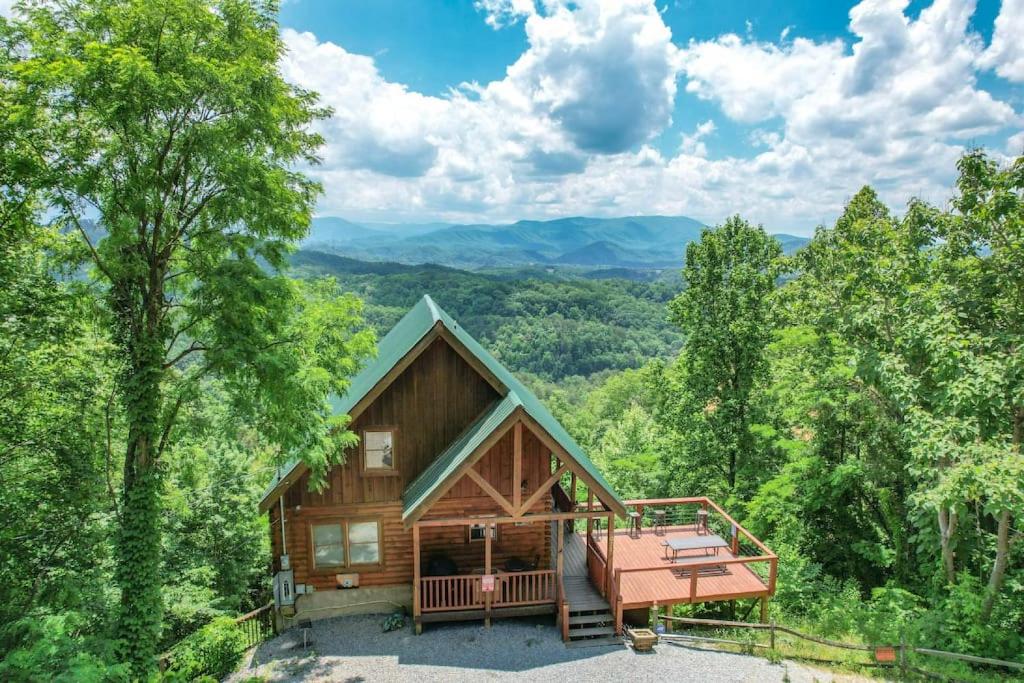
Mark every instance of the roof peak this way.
pixel 435 310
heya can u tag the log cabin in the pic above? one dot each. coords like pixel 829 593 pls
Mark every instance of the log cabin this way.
pixel 463 499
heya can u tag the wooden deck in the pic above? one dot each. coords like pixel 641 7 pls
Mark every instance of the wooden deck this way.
pixel 669 583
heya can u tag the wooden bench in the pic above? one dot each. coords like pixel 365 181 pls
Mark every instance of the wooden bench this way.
pixel 713 570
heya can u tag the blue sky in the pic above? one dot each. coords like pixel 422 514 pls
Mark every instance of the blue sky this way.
pixel 503 109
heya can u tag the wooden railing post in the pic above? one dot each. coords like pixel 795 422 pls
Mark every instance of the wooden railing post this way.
pixel 487 571
pixel 416 605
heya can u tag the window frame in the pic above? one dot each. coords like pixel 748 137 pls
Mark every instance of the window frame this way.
pixel 368 471
pixel 345 523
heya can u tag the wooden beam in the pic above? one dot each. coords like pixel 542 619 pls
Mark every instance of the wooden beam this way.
pixel 490 490
pixel 416 580
pixel 544 488
pixel 536 517
pixel 517 465
pixel 561 545
pixel 572 489
pixel 590 506
pixel 487 570
pixel 609 569
pixel 560 452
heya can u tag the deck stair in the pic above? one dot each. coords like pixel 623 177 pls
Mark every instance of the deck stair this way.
pixel 591 622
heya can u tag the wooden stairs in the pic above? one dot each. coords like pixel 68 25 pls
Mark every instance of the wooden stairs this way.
pixel 591 622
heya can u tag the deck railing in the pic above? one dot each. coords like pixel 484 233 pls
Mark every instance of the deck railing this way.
pixel 597 565
pixel 465 592
pixel 519 589
pixel 742 544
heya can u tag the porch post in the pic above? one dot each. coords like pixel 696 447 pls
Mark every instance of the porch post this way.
pixel 416 619
pixel 611 556
pixel 558 556
pixel 487 570
pixel 764 609
pixel 590 508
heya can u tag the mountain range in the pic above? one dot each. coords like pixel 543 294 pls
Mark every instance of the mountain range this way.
pixel 628 242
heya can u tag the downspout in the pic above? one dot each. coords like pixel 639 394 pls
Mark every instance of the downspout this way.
pixel 284 545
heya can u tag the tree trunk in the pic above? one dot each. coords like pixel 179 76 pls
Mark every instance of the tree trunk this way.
pixel 998 575
pixel 995 580
pixel 947 533
pixel 137 572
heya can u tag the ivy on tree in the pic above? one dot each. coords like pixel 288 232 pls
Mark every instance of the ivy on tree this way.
pixel 172 150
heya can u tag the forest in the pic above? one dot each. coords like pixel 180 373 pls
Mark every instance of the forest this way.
pixel 859 404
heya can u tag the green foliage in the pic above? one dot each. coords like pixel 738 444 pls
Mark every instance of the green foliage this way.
pixel 214 650
pixel 394 622
pixel 50 648
pixel 724 313
pixel 172 123
pixel 550 328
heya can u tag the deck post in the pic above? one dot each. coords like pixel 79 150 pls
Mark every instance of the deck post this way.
pixel 416 619
pixel 764 609
pixel 590 508
pixel 611 555
pixel 572 489
pixel 616 600
pixel 487 570
pixel 559 560
pixel 654 615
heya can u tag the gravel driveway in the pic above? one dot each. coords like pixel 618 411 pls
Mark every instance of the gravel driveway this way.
pixel 353 649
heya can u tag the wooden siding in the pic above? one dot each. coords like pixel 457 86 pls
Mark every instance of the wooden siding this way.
pixel 528 542
pixel 429 404
pixel 395 542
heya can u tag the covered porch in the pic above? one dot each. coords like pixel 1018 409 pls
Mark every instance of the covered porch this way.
pixel 489 532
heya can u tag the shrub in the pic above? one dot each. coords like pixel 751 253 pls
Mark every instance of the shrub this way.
pixel 53 648
pixel 214 650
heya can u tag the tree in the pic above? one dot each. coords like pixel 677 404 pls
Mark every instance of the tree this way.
pixel 932 305
pixel 171 149
pixel 725 315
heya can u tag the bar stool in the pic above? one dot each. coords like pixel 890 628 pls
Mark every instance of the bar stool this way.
pixel 702 522
pixel 634 524
pixel 659 522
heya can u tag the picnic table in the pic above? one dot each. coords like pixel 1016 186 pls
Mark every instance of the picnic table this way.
pixel 710 542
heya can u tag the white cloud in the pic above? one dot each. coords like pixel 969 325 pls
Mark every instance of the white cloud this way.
pixel 501 13
pixel 1006 53
pixel 693 143
pixel 569 127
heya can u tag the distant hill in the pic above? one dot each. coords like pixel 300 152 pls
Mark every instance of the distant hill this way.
pixel 628 242
pixel 551 321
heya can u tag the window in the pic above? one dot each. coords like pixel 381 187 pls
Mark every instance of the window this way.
pixel 364 542
pixel 379 451
pixel 345 543
pixel 328 545
pixel 477 531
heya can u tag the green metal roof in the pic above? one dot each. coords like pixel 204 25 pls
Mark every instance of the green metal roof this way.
pixel 416 324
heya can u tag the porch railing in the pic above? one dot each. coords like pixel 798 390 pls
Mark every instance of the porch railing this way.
pixel 465 592
pixel 597 565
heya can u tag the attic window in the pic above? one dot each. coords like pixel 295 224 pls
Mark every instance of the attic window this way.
pixel 379 451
